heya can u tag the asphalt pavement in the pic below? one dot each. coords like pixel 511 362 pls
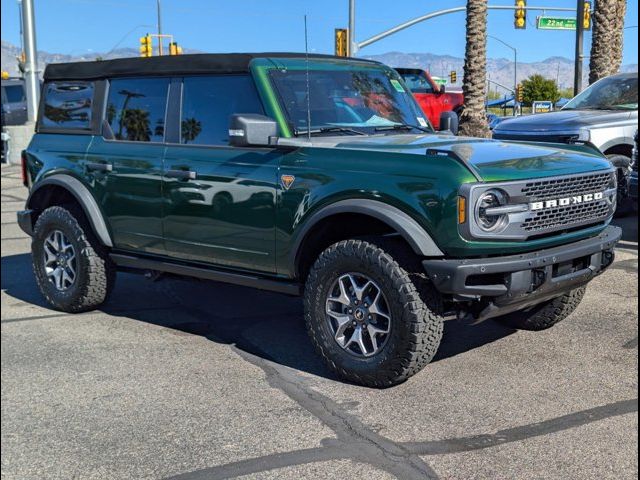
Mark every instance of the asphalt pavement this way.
pixel 199 380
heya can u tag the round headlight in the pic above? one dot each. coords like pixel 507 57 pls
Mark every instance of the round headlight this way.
pixel 488 221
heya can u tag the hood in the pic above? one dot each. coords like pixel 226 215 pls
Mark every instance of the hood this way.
pixel 493 160
pixel 565 120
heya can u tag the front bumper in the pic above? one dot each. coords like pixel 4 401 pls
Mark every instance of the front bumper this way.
pixel 499 285
pixel 25 221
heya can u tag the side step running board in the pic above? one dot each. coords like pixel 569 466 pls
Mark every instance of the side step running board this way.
pixel 288 288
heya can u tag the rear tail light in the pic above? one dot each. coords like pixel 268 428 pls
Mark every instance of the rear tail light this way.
pixel 23 164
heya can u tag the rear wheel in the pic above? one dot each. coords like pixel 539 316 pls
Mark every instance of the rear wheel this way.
pixel 72 269
pixel 366 317
pixel 547 314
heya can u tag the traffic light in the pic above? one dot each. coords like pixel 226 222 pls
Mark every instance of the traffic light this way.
pixel 519 93
pixel 520 20
pixel 342 42
pixel 174 49
pixel 146 46
pixel 453 76
pixel 587 15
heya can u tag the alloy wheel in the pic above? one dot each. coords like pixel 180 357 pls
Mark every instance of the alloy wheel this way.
pixel 358 315
pixel 60 262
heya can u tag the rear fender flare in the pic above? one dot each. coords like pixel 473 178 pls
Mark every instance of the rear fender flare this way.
pixel 84 197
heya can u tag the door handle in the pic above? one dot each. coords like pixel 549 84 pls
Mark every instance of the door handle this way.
pixel 181 174
pixel 99 167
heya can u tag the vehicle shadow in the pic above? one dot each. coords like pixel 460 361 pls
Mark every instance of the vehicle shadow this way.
pixel 629 225
pixel 265 324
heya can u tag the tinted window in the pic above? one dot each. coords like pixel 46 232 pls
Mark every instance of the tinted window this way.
pixel 417 82
pixel 209 102
pixel 14 93
pixel 136 109
pixel 67 105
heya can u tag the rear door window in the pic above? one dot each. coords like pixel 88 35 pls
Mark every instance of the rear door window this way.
pixel 67 105
pixel 208 103
pixel 136 109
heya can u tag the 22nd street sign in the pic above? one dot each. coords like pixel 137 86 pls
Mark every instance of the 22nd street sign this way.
pixel 556 23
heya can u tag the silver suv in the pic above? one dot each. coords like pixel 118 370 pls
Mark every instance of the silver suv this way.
pixel 605 115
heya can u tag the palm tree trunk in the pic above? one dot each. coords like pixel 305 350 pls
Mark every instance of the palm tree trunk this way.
pixel 606 44
pixel 618 39
pixel 473 121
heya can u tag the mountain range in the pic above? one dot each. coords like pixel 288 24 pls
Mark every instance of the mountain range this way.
pixel 499 70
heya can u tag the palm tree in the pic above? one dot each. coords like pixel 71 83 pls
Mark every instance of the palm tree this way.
pixel 473 121
pixel 191 128
pixel 606 44
pixel 618 39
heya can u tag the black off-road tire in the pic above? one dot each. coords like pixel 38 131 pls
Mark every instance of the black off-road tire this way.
pixel 622 164
pixel 547 314
pixel 95 272
pixel 416 330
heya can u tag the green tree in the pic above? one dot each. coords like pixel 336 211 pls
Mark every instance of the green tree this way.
pixel 536 88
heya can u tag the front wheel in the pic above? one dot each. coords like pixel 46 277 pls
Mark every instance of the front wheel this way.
pixel 546 314
pixel 366 318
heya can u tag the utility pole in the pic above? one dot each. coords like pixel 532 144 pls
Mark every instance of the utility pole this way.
pixel 515 60
pixel 31 59
pixel 159 30
pixel 577 79
pixel 353 45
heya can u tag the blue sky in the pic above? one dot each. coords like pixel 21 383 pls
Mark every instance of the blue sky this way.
pixel 78 26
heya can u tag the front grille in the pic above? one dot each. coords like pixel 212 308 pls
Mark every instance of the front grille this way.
pixel 563 204
pixel 565 217
pixel 569 186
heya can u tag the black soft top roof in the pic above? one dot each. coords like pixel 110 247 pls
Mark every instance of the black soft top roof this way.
pixel 167 65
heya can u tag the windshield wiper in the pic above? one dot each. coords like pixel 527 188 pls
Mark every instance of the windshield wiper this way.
pixel 328 130
pixel 403 126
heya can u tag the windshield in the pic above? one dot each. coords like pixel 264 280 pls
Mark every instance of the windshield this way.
pixel 612 93
pixel 346 101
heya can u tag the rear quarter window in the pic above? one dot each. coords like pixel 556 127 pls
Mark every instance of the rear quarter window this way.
pixel 14 93
pixel 67 105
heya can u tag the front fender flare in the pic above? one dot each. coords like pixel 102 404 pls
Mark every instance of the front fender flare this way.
pixel 84 197
pixel 416 236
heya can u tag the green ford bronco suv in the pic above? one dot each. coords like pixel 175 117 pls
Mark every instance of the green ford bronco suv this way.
pixel 308 175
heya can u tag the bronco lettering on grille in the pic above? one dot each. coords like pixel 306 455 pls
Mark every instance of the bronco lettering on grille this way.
pixel 567 201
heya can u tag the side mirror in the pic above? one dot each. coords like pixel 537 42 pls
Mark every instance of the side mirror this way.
pixel 443 89
pixel 250 129
pixel 449 121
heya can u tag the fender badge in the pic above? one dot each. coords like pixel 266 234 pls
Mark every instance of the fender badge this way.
pixel 287 181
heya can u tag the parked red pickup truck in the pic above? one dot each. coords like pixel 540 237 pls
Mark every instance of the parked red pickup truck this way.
pixel 433 98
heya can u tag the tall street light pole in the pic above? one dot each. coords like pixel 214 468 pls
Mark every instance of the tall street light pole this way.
pixel 159 29
pixel 577 79
pixel 353 44
pixel 515 61
pixel 31 59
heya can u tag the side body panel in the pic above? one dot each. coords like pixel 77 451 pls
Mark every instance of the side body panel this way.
pixel 226 214
pixel 324 177
pixel 131 193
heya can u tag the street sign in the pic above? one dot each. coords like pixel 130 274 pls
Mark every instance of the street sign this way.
pixel 556 23
pixel 542 107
